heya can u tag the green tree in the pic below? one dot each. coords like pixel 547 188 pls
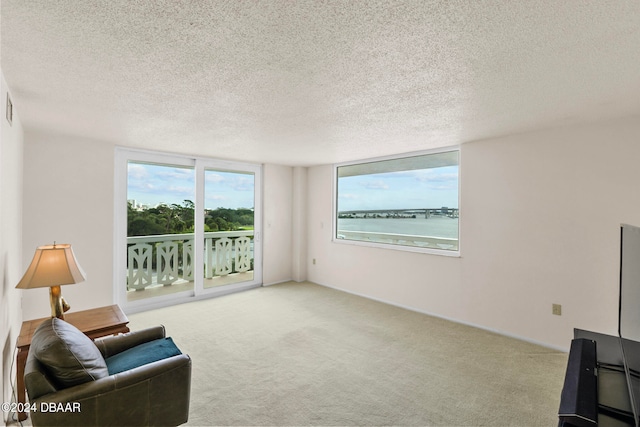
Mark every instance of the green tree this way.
pixel 177 219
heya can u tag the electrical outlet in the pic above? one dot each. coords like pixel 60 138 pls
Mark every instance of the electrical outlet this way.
pixel 314 261
pixel 556 309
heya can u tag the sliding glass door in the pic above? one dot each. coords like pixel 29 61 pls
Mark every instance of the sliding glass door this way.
pixel 229 225
pixel 185 228
pixel 160 229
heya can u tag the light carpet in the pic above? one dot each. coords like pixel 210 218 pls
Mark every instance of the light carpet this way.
pixel 302 354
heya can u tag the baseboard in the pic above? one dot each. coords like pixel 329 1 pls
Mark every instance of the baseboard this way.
pixel 278 282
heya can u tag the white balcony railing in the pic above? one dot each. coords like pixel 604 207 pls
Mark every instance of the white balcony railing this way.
pixel 168 258
pixel 443 243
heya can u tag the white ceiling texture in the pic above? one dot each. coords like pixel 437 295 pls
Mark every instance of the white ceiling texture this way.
pixel 315 82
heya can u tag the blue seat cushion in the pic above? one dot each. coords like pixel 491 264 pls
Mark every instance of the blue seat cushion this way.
pixel 142 354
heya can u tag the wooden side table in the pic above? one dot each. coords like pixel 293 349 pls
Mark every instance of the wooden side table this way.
pixel 95 323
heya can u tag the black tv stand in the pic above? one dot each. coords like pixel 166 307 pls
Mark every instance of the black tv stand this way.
pixel 600 396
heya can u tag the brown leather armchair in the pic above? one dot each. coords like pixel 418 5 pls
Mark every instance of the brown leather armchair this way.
pixel 155 393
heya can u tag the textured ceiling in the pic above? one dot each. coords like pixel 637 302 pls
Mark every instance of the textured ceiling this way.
pixel 314 82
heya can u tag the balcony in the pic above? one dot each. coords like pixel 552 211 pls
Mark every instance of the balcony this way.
pixel 163 264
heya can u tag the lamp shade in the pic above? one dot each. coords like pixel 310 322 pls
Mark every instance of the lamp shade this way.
pixel 52 265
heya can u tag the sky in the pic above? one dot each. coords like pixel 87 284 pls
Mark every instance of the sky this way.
pixel 154 184
pixel 423 188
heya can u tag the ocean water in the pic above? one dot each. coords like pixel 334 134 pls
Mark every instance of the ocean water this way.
pixel 435 226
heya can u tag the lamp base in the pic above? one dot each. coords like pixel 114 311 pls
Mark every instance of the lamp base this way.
pixel 58 305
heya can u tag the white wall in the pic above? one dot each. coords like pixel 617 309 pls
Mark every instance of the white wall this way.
pixel 540 214
pixel 68 198
pixel 299 225
pixel 277 224
pixel 11 140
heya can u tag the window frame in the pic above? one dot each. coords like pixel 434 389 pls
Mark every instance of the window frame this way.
pixel 392 246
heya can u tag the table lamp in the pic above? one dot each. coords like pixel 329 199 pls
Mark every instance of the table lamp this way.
pixel 52 266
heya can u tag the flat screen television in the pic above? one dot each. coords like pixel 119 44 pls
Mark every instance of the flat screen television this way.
pixel 629 312
pixel 615 400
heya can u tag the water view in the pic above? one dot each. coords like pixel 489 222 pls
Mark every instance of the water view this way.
pixel 436 226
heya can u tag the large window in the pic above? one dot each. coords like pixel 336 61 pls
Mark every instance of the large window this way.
pixel 403 202
pixel 185 227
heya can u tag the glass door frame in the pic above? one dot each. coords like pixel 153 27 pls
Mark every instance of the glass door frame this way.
pixel 122 158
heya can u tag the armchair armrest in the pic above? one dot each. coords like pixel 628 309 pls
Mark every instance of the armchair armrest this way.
pixel 115 344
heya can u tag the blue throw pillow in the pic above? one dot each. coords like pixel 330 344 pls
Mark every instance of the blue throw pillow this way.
pixel 142 354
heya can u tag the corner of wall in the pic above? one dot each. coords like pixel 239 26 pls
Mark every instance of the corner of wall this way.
pixel 299 224
pixel 11 169
pixel 277 224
